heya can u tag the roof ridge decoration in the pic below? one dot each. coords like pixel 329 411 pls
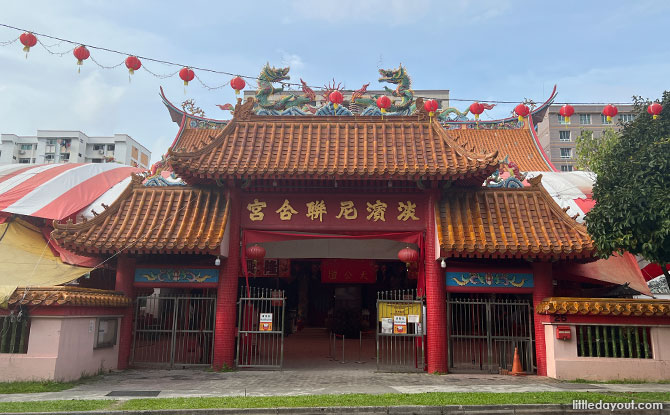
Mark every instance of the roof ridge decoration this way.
pixel 604 306
pixel 68 296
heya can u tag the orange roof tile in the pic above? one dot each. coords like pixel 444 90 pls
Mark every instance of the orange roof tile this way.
pixel 604 306
pixel 517 144
pixel 171 219
pixel 499 223
pixel 191 139
pixel 70 296
pixel 339 147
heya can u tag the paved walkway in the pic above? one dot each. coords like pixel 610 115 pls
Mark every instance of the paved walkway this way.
pixel 193 383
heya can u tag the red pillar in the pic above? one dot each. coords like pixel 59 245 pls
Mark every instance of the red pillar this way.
pixel 544 287
pixel 125 276
pixel 436 299
pixel 226 297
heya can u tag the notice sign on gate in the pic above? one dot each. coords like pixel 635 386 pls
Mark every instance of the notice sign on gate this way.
pixel 400 324
pixel 265 322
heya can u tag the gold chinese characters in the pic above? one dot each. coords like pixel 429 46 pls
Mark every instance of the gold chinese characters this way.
pixel 317 210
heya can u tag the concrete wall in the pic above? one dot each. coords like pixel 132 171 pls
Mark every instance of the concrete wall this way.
pixel 60 348
pixel 563 362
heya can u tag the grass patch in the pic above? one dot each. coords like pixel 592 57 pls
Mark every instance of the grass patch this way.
pixel 34 386
pixel 55 406
pixel 391 399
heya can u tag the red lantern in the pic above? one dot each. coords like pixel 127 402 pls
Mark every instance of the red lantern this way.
pixel 408 256
pixel 133 64
pixel 384 103
pixel 654 109
pixel 186 75
pixel 237 84
pixel 610 111
pixel 521 111
pixel 28 40
pixel 431 106
pixel 476 108
pixel 336 98
pixel 256 252
pixel 566 111
pixel 81 53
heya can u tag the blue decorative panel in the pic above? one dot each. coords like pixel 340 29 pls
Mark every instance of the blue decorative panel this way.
pixel 490 279
pixel 177 275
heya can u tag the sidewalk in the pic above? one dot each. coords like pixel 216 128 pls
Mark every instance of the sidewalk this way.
pixel 200 383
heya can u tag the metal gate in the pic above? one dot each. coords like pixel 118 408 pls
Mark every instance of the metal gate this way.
pixel 400 330
pixel 173 331
pixel 260 343
pixel 484 330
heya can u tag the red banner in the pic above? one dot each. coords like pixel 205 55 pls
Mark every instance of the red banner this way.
pixel 348 271
pixel 334 212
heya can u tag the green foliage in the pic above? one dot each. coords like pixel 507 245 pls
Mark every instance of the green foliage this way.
pixel 34 386
pixel 56 406
pixel 632 191
pixel 591 151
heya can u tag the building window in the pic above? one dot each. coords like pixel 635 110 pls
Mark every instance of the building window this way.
pixel 14 331
pixel 106 332
pixel 51 142
pixel 134 153
pixel 48 157
pixel 585 119
pixel 614 341
pixel 626 117
pixel 110 147
pixel 96 160
pixel 97 147
pixel 566 167
pixel 144 159
pixel 564 135
pixel 26 146
pixel 561 119
pixel 566 153
pixel 24 160
pixel 65 157
pixel 603 118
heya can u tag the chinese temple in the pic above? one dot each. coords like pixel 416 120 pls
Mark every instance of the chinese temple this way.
pixel 418 233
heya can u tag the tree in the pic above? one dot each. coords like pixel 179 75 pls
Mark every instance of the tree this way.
pixel 591 151
pixel 632 190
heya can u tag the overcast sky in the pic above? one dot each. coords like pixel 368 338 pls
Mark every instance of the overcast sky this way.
pixel 484 49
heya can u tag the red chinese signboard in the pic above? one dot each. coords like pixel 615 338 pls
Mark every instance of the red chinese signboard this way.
pixel 334 211
pixel 348 271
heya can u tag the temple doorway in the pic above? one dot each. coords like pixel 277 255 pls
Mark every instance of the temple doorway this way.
pixel 485 329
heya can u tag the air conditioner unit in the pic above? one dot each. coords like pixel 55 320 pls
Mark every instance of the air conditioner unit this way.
pixel 101 151
pixel 22 151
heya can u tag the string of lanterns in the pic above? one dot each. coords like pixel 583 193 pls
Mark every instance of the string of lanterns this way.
pixel 133 63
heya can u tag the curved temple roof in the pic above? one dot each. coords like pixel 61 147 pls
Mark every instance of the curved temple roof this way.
pixel 509 223
pixel 171 219
pixel 332 147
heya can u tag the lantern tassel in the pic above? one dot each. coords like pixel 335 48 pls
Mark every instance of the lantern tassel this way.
pixel 609 119
pixel 654 116
pixel 567 119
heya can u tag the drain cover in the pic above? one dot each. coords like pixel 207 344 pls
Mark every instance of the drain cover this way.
pixel 148 394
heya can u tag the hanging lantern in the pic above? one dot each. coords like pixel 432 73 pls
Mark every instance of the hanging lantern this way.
pixel 408 256
pixel 336 98
pixel 133 64
pixel 610 111
pixel 186 75
pixel 654 109
pixel 476 108
pixel 256 252
pixel 28 40
pixel 521 111
pixel 81 53
pixel 566 111
pixel 431 106
pixel 384 103
pixel 237 84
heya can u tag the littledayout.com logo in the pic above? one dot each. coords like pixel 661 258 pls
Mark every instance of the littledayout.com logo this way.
pixel 615 406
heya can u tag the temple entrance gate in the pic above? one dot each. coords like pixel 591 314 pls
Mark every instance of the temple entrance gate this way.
pixel 485 329
pixel 173 331
pixel 400 331
pixel 260 343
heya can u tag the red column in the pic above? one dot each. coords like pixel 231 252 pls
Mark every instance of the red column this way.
pixel 226 298
pixel 125 276
pixel 436 300
pixel 544 287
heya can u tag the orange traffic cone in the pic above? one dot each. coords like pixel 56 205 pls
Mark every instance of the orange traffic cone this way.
pixel 516 365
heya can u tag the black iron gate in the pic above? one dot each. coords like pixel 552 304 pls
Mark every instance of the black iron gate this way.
pixel 260 343
pixel 173 331
pixel 400 329
pixel 484 330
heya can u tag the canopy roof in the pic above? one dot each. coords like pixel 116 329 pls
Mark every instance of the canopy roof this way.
pixel 509 223
pixel 171 219
pixel 398 147
pixel 56 191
